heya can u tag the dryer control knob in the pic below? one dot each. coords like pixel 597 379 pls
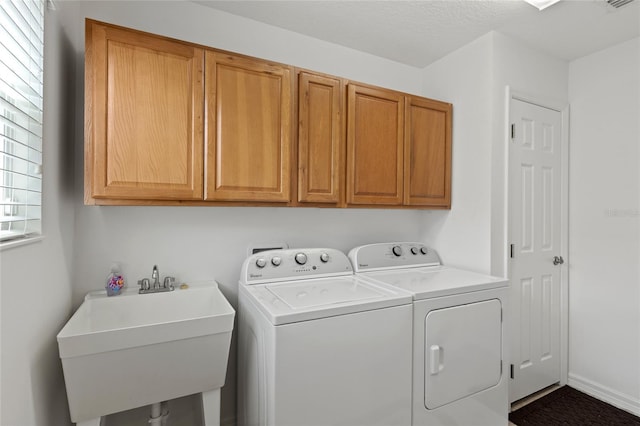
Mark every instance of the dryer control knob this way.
pixel 324 257
pixel 301 258
pixel 414 250
pixel 423 250
pixel 397 250
pixel 261 262
pixel 276 261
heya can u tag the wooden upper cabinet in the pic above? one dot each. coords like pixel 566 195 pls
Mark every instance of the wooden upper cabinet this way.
pixel 375 128
pixel 143 116
pixel 168 122
pixel 248 130
pixel 320 138
pixel 427 173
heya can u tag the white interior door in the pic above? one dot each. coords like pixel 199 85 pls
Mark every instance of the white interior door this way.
pixel 535 175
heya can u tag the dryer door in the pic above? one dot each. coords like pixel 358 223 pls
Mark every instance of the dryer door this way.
pixel 463 351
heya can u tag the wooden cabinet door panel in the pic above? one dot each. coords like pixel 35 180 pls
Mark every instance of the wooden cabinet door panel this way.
pixel 144 116
pixel 427 179
pixel 319 138
pixel 248 129
pixel 375 127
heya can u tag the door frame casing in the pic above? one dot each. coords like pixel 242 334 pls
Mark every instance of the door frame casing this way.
pixel 563 109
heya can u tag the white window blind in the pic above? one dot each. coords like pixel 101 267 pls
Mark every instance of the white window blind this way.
pixel 21 81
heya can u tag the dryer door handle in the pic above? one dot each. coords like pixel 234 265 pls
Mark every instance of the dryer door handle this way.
pixel 436 359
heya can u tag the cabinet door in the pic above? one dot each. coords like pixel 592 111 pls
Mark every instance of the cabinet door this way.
pixel 427 172
pixel 320 147
pixel 248 129
pixel 375 127
pixel 144 116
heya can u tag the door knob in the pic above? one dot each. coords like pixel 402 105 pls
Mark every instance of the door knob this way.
pixel 558 260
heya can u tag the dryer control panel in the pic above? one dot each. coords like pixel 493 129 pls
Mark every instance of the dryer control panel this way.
pixel 294 264
pixel 373 257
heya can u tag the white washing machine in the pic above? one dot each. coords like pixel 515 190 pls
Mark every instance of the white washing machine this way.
pixel 459 363
pixel 318 345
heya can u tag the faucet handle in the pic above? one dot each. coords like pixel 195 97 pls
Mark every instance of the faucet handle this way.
pixel 144 284
pixel 168 282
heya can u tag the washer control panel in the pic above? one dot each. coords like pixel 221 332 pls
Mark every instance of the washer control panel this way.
pixel 292 264
pixel 372 257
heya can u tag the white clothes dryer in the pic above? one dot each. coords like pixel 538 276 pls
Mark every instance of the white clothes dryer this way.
pixel 459 362
pixel 320 346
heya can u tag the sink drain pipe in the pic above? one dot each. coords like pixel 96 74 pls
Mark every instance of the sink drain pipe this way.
pixel 159 414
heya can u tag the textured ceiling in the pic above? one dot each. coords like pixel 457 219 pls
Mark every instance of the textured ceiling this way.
pixel 418 33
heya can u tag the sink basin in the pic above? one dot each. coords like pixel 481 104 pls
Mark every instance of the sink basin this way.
pixel 131 350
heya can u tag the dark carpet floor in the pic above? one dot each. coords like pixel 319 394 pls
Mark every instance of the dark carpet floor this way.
pixel 569 407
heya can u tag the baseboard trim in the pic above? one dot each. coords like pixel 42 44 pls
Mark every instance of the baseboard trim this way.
pixel 606 394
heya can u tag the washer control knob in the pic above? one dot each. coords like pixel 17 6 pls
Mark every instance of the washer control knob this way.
pixel 276 260
pixel 414 250
pixel 397 250
pixel 423 250
pixel 261 262
pixel 301 258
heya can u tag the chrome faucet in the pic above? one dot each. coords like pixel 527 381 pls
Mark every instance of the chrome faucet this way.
pixel 157 286
pixel 155 276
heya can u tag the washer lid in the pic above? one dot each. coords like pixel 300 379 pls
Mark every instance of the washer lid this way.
pixel 304 300
pixel 436 281
pixel 316 293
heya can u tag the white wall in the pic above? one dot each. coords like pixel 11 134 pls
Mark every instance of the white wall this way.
pixel 604 255
pixel 35 280
pixel 604 248
pixel 463 234
pixel 474 79
pixel 200 243
pixel 529 72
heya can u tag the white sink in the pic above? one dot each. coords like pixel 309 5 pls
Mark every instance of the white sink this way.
pixel 131 350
